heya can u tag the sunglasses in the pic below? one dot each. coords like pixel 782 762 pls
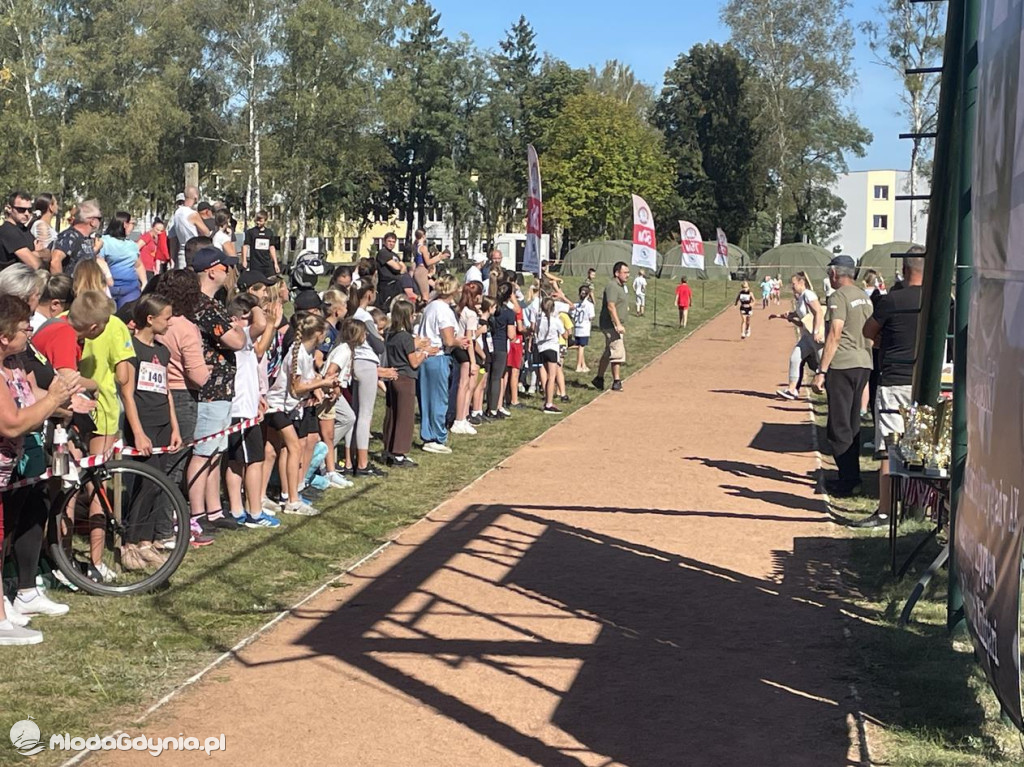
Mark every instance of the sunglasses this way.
pixel 21 209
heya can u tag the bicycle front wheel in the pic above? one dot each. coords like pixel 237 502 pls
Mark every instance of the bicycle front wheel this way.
pixel 100 528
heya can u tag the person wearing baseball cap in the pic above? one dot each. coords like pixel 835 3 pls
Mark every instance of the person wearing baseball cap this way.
pixel 209 257
pixel 221 339
pixel 475 272
pixel 844 371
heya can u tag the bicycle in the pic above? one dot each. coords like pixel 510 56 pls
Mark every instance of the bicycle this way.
pixel 94 507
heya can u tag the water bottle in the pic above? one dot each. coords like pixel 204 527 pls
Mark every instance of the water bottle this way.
pixel 60 463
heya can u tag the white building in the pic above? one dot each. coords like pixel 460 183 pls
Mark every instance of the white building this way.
pixel 873 215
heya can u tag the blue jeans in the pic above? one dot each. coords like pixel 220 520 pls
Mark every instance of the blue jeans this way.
pixel 432 389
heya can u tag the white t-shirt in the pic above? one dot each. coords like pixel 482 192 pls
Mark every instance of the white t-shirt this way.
pixel 474 274
pixel 341 355
pixel 469 321
pixel 219 239
pixel 803 303
pixel 640 286
pixel 582 317
pixel 280 398
pixel 437 316
pixel 37 320
pixel 246 402
pixel 183 229
pixel 547 331
pixel 364 351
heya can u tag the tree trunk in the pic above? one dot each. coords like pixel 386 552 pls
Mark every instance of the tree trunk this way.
pixel 421 202
pixel 410 207
pixel 915 149
pixel 29 95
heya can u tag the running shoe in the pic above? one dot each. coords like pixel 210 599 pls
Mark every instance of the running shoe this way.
pixel 300 509
pixel 786 393
pixel 598 383
pixel 436 447
pixel 271 507
pixel 552 409
pixel 616 385
pixel 475 420
pixel 370 471
pixel 14 615
pixel 263 520
pixel 402 462
pixel 338 480
pixel 463 427
pixel 18 635
pixel 39 604
pixel 224 522
pixel 504 412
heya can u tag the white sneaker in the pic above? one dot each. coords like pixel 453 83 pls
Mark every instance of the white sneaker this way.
pixel 505 412
pixel 14 615
pixel 339 480
pixel 271 507
pixel 436 447
pixel 102 573
pixel 300 509
pixel 11 635
pixel 39 604
pixel 462 427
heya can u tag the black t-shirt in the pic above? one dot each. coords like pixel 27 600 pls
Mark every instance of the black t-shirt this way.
pixel 898 339
pixel 150 363
pixel 259 239
pixel 33 361
pixel 12 239
pixel 399 346
pixel 386 273
pixel 499 327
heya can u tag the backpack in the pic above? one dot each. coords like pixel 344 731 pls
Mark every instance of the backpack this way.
pixel 307 269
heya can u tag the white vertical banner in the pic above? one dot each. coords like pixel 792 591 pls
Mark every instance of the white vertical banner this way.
pixel 534 215
pixel 691 245
pixel 645 250
pixel 722 251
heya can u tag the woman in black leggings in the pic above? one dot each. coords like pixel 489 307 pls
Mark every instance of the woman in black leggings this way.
pixel 503 330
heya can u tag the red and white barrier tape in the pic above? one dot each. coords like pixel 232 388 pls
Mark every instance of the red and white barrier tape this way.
pixel 119 448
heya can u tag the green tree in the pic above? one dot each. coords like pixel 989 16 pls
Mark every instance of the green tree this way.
pixel 618 80
pixel 601 153
pixel 912 36
pixel 708 113
pixel 801 51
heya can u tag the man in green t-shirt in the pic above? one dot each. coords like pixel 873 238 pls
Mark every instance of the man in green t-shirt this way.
pixel 614 307
pixel 844 371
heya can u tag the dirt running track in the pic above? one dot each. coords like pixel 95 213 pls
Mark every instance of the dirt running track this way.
pixel 648 584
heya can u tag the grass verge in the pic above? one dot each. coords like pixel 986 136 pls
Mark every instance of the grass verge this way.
pixel 924 688
pixel 102 664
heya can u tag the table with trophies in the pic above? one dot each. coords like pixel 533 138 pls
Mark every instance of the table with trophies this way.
pixel 919 472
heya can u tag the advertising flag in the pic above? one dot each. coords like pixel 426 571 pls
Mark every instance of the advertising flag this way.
pixel 645 253
pixel 691 245
pixel 534 215
pixel 722 253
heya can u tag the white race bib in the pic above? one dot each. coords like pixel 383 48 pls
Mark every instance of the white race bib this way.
pixel 261 243
pixel 152 378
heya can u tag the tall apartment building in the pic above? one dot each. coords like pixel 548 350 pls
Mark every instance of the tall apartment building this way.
pixel 873 215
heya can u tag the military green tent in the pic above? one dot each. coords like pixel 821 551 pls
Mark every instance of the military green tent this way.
pixel 672 269
pixel 794 257
pixel 600 255
pixel 880 259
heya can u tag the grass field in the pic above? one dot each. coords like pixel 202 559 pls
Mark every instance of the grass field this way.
pixel 925 687
pixel 100 666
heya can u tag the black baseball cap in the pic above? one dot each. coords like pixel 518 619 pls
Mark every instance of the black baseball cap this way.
pixel 306 300
pixel 209 257
pixel 251 277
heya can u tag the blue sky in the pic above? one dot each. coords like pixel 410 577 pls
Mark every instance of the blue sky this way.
pixel 585 32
